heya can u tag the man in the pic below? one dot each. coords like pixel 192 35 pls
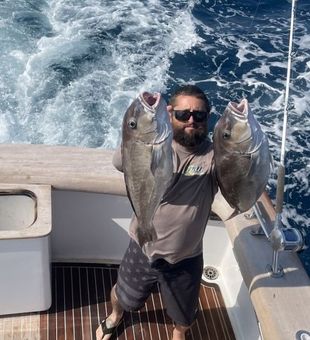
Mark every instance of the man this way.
pixel 174 260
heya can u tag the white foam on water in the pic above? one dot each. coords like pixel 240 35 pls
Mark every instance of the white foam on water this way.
pixel 4 132
pixel 78 81
pixel 259 73
pixel 304 41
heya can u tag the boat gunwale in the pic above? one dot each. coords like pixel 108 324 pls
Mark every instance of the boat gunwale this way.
pixel 280 304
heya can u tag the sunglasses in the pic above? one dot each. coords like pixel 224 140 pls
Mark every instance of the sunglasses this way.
pixel 184 115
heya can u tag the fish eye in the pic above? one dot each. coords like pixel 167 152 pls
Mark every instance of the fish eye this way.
pixel 226 134
pixel 132 123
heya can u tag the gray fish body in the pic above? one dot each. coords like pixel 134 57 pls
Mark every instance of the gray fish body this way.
pixel 147 159
pixel 241 155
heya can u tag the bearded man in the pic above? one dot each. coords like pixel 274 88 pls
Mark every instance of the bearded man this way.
pixel 174 260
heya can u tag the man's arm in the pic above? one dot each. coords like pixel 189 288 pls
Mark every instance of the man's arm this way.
pixel 117 159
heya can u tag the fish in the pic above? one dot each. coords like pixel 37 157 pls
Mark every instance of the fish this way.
pixel 147 159
pixel 241 156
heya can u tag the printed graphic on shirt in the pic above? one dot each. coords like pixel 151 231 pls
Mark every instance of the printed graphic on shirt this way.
pixel 193 170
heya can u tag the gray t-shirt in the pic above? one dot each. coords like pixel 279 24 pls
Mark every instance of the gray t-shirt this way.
pixel 182 215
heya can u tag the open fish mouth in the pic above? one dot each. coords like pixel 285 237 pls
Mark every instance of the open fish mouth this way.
pixel 240 110
pixel 150 100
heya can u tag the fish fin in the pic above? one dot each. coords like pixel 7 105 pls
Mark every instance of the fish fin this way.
pixel 131 202
pixel 156 157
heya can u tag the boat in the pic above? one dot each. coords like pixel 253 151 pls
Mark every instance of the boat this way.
pixel 64 218
pixel 58 262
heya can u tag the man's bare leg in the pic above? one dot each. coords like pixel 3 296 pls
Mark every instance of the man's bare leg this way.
pixel 113 319
pixel 179 332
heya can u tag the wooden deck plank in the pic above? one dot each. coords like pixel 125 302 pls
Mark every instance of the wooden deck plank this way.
pixel 81 297
pixel 68 302
pixel 76 304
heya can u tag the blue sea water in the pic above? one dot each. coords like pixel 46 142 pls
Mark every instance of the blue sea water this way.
pixel 70 68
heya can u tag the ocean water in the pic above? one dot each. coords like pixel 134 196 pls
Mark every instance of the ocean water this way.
pixel 70 68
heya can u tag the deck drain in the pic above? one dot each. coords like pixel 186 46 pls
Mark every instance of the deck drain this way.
pixel 303 335
pixel 210 273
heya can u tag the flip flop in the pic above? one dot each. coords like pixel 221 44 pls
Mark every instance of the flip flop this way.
pixel 106 330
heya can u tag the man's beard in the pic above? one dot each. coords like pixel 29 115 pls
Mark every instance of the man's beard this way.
pixel 190 139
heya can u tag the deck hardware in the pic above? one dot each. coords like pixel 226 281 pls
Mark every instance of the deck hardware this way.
pixel 262 229
pixel 284 239
pixel 249 215
pixel 257 231
pixel 302 335
pixel 210 273
pixel 281 239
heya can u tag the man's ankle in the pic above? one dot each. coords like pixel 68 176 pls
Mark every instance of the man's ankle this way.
pixel 113 319
pixel 179 332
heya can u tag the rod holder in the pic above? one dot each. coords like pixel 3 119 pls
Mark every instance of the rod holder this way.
pixel 289 239
pixel 283 239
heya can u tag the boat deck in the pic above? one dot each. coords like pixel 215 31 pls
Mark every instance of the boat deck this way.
pixel 81 298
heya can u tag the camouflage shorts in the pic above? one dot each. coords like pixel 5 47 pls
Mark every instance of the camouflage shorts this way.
pixel 178 283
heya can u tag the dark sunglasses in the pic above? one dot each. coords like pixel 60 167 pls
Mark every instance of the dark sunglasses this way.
pixel 184 115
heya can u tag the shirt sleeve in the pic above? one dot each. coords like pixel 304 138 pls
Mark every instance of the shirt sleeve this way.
pixel 117 159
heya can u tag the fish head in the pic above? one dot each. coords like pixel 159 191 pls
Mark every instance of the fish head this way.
pixel 147 120
pixel 241 156
pixel 233 128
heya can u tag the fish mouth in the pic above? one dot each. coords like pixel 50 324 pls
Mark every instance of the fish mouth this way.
pixel 240 110
pixel 150 100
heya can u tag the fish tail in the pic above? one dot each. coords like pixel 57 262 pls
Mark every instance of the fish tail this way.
pixel 145 235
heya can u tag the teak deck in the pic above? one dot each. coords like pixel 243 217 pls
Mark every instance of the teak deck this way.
pixel 81 298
